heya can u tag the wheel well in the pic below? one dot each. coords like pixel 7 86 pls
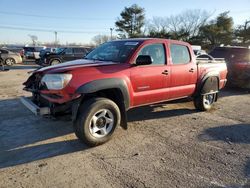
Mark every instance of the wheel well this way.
pixel 112 94
pixel 211 84
pixel 116 96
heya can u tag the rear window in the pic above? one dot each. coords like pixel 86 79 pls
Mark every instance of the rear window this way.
pixel 240 54
pixel 180 54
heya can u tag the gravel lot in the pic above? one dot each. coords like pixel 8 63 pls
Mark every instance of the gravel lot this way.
pixel 166 145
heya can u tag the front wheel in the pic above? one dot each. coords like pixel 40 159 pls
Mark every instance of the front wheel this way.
pixel 204 102
pixel 96 121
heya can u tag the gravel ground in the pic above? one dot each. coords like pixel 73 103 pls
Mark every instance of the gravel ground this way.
pixel 166 145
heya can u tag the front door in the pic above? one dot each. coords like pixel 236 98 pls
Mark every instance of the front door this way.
pixel 149 81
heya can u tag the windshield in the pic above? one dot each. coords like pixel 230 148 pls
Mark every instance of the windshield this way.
pixel 116 51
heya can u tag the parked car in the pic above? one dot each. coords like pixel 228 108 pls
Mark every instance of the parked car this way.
pixel 17 50
pixel 10 58
pixel 238 64
pixel 32 52
pixel 63 54
pixel 120 75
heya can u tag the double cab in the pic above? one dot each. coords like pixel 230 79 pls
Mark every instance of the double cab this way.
pixel 119 75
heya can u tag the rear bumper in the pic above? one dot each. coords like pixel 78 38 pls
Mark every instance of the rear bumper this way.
pixel 34 108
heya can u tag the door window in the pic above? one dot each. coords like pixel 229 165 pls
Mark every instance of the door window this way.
pixel 180 54
pixel 156 52
pixel 69 51
pixel 79 50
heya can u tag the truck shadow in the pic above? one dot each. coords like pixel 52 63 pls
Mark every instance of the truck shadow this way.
pixel 162 110
pixel 229 91
pixel 25 138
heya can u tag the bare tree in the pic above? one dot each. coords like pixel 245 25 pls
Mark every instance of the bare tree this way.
pixel 99 39
pixel 181 26
pixel 243 31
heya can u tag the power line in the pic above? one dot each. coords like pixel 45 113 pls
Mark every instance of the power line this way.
pixel 49 30
pixel 53 17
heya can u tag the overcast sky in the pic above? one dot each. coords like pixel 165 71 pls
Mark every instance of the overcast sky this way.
pixel 79 21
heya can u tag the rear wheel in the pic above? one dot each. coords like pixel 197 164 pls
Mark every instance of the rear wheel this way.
pixel 96 121
pixel 204 102
pixel 10 61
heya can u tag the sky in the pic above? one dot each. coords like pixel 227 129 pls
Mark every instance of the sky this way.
pixel 78 21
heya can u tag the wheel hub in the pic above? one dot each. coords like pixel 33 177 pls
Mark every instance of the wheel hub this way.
pixel 101 122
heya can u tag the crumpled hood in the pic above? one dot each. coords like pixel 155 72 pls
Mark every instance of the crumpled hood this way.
pixel 70 65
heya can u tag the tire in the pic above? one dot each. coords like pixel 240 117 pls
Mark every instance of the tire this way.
pixel 55 62
pixel 10 61
pixel 96 121
pixel 204 102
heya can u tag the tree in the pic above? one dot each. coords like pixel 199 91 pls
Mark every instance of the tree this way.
pixel 131 22
pixel 184 26
pixel 219 31
pixel 243 31
pixel 99 39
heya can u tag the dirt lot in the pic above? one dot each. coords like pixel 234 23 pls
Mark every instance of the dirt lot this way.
pixel 167 145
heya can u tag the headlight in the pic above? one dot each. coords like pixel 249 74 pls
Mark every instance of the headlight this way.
pixel 56 81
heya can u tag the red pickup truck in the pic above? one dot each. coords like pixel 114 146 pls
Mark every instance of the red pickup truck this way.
pixel 119 75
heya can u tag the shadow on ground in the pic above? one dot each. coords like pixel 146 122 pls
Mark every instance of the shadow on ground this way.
pixel 22 67
pixel 233 91
pixel 238 134
pixel 179 108
pixel 25 138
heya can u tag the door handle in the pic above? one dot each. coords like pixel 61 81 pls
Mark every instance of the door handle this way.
pixel 191 70
pixel 165 72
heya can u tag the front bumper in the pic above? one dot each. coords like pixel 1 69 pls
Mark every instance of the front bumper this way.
pixel 34 108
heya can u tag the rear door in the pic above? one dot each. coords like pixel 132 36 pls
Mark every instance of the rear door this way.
pixel 183 71
pixel 149 81
pixel 79 53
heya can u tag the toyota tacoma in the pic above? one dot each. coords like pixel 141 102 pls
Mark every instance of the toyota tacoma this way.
pixel 119 75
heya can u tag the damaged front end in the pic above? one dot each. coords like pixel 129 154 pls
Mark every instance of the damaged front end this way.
pixel 44 100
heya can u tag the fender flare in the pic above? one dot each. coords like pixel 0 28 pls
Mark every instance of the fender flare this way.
pixel 107 83
pixel 208 83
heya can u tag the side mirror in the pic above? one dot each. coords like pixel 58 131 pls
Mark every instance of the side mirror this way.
pixel 143 60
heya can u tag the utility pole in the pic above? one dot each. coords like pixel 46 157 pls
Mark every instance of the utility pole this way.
pixel 111 30
pixel 55 38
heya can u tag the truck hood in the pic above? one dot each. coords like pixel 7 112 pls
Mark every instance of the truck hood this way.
pixel 70 65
